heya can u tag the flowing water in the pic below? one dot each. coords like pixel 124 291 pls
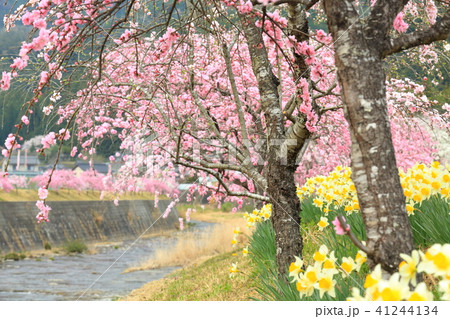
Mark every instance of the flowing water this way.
pixel 80 276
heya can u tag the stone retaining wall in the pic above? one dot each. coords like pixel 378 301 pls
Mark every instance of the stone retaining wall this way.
pixel 89 221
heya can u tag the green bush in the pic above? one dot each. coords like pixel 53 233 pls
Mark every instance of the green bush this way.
pixel 14 256
pixel 47 246
pixel 227 207
pixel 75 246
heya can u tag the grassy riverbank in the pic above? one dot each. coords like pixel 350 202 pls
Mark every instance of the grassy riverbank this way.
pixel 204 280
pixel 21 195
pixel 205 261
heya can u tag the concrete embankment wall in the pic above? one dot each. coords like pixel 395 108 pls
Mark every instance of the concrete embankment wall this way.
pixel 89 221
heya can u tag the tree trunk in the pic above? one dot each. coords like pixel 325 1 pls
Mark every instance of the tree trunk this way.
pixel 285 212
pixel 374 168
pixel 283 151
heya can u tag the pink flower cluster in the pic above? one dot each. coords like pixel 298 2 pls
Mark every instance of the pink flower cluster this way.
pixel 48 140
pixel 339 228
pixel 10 143
pixel 5 82
pixel 246 7
pixel 400 25
pixel 43 211
pixel 169 208
pixel 42 193
pixel 181 223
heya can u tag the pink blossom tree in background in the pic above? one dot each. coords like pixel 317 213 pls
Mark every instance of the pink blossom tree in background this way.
pixel 18 181
pixel 244 92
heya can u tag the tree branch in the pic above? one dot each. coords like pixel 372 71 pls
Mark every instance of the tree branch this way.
pixel 439 31
pixel 224 185
pixel 237 100
pixel 352 236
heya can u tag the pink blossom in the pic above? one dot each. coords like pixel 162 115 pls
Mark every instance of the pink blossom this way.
pixel 44 78
pixel 338 227
pixel 400 25
pixel 10 141
pixel 42 193
pixel 169 208
pixel 19 63
pixel 431 11
pixel 25 120
pixel 116 202
pixel 73 152
pixel 245 8
pixel 39 43
pixel 5 82
pixel 156 199
pixel 39 24
pixel 181 223
pixel 29 17
pixel 48 140
pixel 188 215
pixel 43 211
pixel 64 134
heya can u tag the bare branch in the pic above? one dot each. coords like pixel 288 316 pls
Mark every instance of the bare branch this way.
pixel 352 236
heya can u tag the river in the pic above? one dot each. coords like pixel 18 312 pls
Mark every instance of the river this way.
pixel 85 276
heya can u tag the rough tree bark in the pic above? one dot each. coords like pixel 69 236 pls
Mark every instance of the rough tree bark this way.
pixel 284 146
pixel 359 52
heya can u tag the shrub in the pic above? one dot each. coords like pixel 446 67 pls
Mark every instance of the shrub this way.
pixel 75 246
pixel 47 246
pixel 227 207
pixel 14 256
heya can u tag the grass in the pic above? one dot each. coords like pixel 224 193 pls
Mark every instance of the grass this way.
pixel 75 246
pixel 430 223
pixel 14 256
pixel 427 225
pixel 271 286
pixel 211 214
pixel 190 247
pixel 208 280
pixel 21 195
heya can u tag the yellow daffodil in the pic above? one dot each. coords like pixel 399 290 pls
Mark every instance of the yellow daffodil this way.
pixel 373 278
pixel 323 223
pixel 408 267
pixel 360 259
pixel 356 295
pixel 444 287
pixel 295 268
pixel 245 251
pixel 436 260
pixel 347 265
pixel 410 209
pixel 329 264
pixel 325 284
pixel 421 293
pixel 233 270
pixel 321 255
pixel 234 241
pixel 394 289
pixel 312 273
pixel 304 286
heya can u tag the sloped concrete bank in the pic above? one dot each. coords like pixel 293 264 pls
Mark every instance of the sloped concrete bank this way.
pixel 89 221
